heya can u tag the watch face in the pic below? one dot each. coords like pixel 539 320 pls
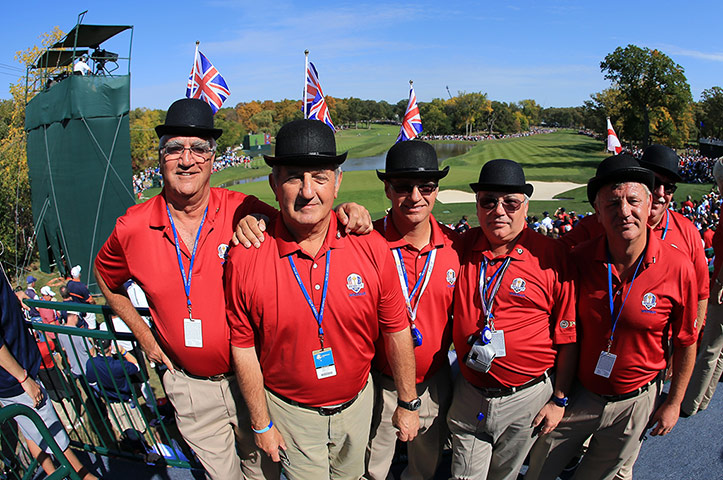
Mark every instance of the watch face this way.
pixel 415 404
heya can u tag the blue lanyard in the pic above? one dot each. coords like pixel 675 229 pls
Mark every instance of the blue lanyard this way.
pixel 318 315
pixel 421 277
pixel 667 221
pixel 614 317
pixel 483 288
pixel 186 279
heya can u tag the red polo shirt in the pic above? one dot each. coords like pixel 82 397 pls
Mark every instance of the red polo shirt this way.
pixel 142 247
pixel 435 305
pixel 267 309
pixel 681 234
pixel 534 307
pixel 661 304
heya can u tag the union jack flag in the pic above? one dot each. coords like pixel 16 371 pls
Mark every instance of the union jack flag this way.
pixel 312 87
pixel 412 122
pixel 206 83
pixel 320 110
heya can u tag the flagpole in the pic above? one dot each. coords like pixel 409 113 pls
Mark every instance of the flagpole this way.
pixel 193 70
pixel 306 70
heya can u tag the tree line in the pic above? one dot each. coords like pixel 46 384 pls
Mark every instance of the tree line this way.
pixel 648 101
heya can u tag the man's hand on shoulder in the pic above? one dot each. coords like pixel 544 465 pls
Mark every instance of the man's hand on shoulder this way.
pixel 250 231
pixel 355 217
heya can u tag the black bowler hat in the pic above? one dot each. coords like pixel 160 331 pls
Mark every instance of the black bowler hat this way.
pixel 189 117
pixel 661 159
pixel 619 168
pixel 412 158
pixel 502 175
pixel 305 143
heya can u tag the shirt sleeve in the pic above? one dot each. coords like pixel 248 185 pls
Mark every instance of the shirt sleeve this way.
pixel 685 331
pixel 242 333
pixel 392 311
pixel 563 310
pixel 252 205
pixel 700 264
pixel 110 263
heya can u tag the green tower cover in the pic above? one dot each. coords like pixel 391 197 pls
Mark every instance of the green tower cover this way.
pixel 78 150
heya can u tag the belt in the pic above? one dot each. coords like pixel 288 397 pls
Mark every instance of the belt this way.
pixel 503 392
pixel 213 378
pixel 629 395
pixel 324 411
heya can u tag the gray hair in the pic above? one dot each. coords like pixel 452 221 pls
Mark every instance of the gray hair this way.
pixel 619 184
pixel 718 172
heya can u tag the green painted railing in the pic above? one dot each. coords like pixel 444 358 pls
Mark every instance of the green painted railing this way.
pixel 92 416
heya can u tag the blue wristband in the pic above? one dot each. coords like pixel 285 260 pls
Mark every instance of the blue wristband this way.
pixel 263 430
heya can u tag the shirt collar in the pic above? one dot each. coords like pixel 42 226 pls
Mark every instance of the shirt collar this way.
pixel 519 252
pixel 652 249
pixel 287 245
pixel 395 239
pixel 158 217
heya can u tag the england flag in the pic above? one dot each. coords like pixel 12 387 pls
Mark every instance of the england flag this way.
pixel 613 142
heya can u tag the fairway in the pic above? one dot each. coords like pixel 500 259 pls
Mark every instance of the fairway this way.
pixel 563 156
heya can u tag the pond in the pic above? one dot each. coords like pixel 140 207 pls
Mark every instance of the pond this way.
pixel 444 151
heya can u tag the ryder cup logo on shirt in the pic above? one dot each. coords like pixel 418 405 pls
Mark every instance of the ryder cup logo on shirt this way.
pixel 650 301
pixel 518 285
pixel 223 251
pixel 451 277
pixel 354 283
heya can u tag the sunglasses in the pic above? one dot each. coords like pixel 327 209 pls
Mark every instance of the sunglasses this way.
pixel 510 204
pixel 668 187
pixel 199 152
pixel 424 188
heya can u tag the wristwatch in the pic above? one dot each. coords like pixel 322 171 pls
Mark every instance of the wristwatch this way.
pixel 412 406
pixel 560 402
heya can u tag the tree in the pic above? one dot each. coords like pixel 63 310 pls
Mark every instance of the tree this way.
pixel 654 90
pixel 434 119
pixel 143 137
pixel 16 229
pixel 711 112
pixel 471 108
pixel 531 110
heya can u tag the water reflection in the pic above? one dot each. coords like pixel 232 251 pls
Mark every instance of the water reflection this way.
pixel 444 151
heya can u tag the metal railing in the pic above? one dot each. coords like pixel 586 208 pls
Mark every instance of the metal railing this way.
pixel 117 414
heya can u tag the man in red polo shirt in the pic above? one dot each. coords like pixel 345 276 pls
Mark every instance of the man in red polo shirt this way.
pixel 634 292
pixel 174 247
pixel 305 310
pixel 425 253
pixel 709 364
pixel 668 225
pixel 514 322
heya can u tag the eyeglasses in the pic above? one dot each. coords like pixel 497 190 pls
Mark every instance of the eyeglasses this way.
pixel 510 204
pixel 424 188
pixel 668 187
pixel 198 152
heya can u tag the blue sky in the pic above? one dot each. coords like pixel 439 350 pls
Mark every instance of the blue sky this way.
pixel 549 51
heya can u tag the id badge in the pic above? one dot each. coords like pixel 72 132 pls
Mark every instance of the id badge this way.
pixel 498 342
pixel 324 363
pixel 605 364
pixel 192 333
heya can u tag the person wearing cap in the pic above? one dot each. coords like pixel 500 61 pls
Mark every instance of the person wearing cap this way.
pixel 634 292
pixel 174 246
pixel 305 311
pixel 77 289
pixel 514 331
pixel 33 313
pixel 709 364
pixel 425 254
pixel 48 315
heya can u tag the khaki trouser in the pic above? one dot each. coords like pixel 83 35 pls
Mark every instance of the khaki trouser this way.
pixel 708 365
pixel 213 418
pixel 617 429
pixel 324 447
pixel 424 451
pixel 496 445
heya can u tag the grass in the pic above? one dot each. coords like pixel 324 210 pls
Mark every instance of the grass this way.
pixel 561 156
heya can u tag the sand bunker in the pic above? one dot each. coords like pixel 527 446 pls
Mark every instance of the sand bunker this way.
pixel 543 191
